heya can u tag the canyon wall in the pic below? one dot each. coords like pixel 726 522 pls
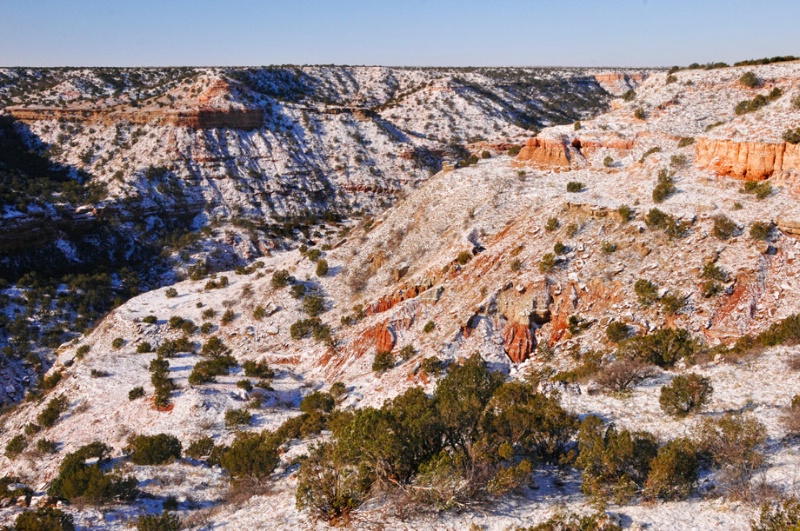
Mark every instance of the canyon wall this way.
pixel 752 161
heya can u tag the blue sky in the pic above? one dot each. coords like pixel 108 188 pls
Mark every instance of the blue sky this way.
pixel 396 32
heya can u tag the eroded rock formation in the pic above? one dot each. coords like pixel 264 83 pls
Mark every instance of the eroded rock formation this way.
pixel 199 118
pixel 753 161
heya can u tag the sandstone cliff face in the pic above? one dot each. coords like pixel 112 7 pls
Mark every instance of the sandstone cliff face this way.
pixel 199 118
pixel 543 153
pixel 617 83
pixel 753 161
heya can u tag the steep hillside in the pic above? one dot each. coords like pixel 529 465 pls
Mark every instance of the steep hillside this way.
pixel 661 233
pixel 159 174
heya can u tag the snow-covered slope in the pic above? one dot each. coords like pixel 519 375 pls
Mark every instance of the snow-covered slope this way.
pixel 462 250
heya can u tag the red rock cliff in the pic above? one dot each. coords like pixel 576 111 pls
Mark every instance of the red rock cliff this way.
pixel 753 161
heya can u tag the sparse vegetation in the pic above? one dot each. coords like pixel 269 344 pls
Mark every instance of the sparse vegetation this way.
pixel 724 227
pixel 646 291
pixel 383 362
pixel 154 449
pixel 761 190
pixel 574 186
pixel 750 80
pixel 685 395
pixel 665 186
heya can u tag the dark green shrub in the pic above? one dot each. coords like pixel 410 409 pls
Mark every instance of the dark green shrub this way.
pixel 685 394
pixel 95 373
pixel 237 417
pixel 117 343
pixel 575 186
pixel 646 291
pixel 513 151
pixel 214 347
pixel 209 313
pixel 639 114
pixel 685 141
pixel 599 521
pixel 429 326
pixel 163 522
pixel 259 369
pixel 82 351
pixel 548 263
pixel 711 271
pixel 617 331
pixel 154 449
pixel 338 392
pixel 16 446
pixel 615 463
pixel 792 136
pixel 649 152
pixel 202 447
pixel 432 366
pixel 778 516
pixel 207 370
pixel 577 126
pixel 313 254
pixel 673 302
pixel 711 288
pixel 322 268
pixel 552 224
pixel 46 446
pixel 655 218
pixel 629 95
pixel 44 519
pixel 206 328
pixel 136 392
pixel 259 313
pixel 227 317
pixel 150 319
pixel 673 472
pixel 724 227
pixel 383 362
pixel 407 352
pixel 251 455
pixel 304 328
pixel 663 348
pixel 298 291
pixel 247 385
pixel 760 230
pixel 77 480
pixel 625 213
pixel 313 305
pixel 608 161
pixel 171 293
pixel 560 248
pixel 608 247
pixel 144 347
pixel 761 190
pixel 281 278
pixel 464 257
pixel 52 411
pixel 749 80
pixel 32 429
pixel 665 186
pixel 49 382
pixel 317 401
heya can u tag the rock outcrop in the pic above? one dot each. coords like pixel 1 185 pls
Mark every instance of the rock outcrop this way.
pixel 519 342
pixel 753 161
pixel 547 154
pixel 617 83
pixel 199 118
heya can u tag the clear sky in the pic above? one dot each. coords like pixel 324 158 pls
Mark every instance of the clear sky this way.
pixel 395 32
